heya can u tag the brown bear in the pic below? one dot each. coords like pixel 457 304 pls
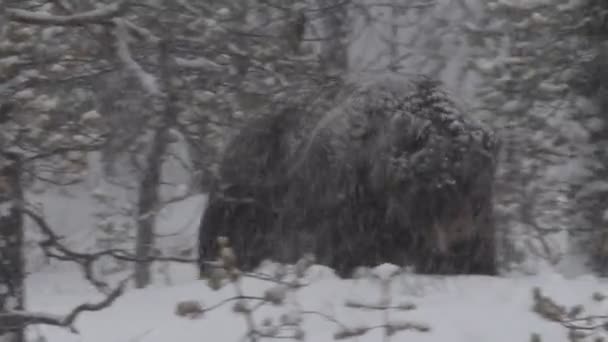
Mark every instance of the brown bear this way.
pixel 392 172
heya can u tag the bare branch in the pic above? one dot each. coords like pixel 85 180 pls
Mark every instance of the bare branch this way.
pixel 54 248
pixel 14 319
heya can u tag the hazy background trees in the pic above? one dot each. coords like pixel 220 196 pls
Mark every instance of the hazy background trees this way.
pixel 541 82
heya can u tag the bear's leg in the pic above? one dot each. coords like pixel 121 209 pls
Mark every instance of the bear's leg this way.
pixel 209 228
pixel 476 256
pixel 484 256
pixel 245 225
pixel 434 264
pixel 471 257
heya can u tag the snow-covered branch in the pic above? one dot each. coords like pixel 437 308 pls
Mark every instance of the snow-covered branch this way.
pixel 14 319
pixel 139 32
pixel 200 63
pixel 100 15
pixel 147 80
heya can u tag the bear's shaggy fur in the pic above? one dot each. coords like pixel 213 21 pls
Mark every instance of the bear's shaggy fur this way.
pixel 394 172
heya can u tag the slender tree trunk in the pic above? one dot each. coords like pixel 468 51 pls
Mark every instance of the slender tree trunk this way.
pixel 335 48
pixel 147 205
pixel 12 291
pixel 393 63
pixel 201 155
pixel 149 190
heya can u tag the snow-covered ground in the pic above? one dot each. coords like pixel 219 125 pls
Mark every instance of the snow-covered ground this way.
pixel 465 308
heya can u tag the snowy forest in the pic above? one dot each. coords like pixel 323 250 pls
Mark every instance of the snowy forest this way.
pixel 128 128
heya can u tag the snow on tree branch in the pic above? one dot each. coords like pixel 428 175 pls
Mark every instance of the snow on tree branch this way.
pixel 12 319
pixel 147 80
pixel 96 16
pixel 199 63
pixel 139 31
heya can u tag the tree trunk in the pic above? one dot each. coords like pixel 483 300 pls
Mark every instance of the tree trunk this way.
pixel 393 48
pixel 147 206
pixel 149 190
pixel 12 291
pixel 335 48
